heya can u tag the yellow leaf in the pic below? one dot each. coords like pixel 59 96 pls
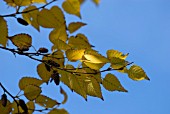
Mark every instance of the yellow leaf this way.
pixel 31 17
pixel 39 1
pixel 52 18
pixel 72 82
pixel 72 7
pixel 95 58
pixel 60 45
pixel 64 94
pixel 94 66
pixel 114 53
pixel 10 3
pixel 74 54
pixel 31 92
pixel 96 2
pixel 81 1
pixel 25 81
pixel 22 2
pixel 79 42
pixel 43 73
pixel 137 73
pixel 22 41
pixel 74 26
pixel 7 109
pixel 93 87
pixel 57 56
pixel 58 111
pixel 3 31
pixel 111 83
pixel 31 107
pixel 46 101
pixel 58 33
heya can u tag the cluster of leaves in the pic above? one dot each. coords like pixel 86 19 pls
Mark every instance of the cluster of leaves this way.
pixel 85 79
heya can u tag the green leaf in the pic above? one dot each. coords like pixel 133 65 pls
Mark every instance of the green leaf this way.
pixel 31 92
pixel 74 54
pixel 43 73
pixel 72 7
pixel 58 33
pixel 31 17
pixel 46 101
pixel 25 81
pixel 3 31
pixel 137 73
pixel 64 94
pixel 74 26
pixel 58 111
pixel 52 18
pixel 111 83
pixel 22 41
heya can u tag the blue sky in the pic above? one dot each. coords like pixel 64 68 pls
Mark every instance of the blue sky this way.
pixel 138 27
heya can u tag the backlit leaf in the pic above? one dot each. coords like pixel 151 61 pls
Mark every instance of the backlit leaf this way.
pixel 97 58
pixel 3 31
pixel 93 87
pixel 58 33
pixel 22 2
pixel 39 1
pixel 45 101
pixel 58 111
pixel 137 73
pixel 72 82
pixel 31 92
pixel 96 2
pixel 60 45
pixel 43 73
pixel 64 94
pixel 7 109
pixel 95 66
pixel 25 81
pixel 22 41
pixel 52 18
pixel 114 53
pixel 74 26
pixel 74 55
pixel 79 42
pixel 31 107
pixel 72 7
pixel 31 17
pixel 111 83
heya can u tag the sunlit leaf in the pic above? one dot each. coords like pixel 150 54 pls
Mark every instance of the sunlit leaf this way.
pixel 31 17
pixel 64 94
pixel 57 56
pixel 137 73
pixel 58 111
pixel 60 45
pixel 97 58
pixel 31 92
pixel 72 7
pixel 22 41
pixel 74 54
pixel 95 66
pixel 111 83
pixel 74 26
pixel 116 54
pixel 46 101
pixel 39 1
pixel 43 73
pixel 7 109
pixel 79 42
pixel 23 82
pixel 52 18
pixel 72 82
pixel 96 2
pixel 58 33
pixel 3 31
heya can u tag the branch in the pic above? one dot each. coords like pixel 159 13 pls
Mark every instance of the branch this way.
pixel 13 14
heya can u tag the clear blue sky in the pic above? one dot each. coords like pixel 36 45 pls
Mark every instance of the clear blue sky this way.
pixel 138 27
